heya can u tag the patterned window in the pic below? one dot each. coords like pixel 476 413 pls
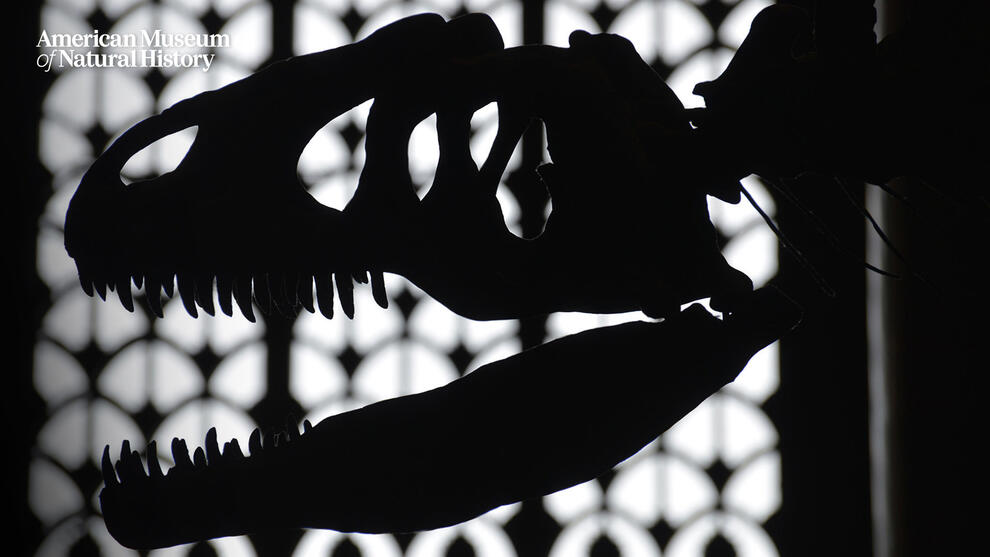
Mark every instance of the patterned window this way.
pixel 106 375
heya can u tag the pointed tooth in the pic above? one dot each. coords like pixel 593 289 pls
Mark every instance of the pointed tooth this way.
pixel 233 450
pixel 106 465
pixel 129 467
pixel 154 467
pixel 122 466
pixel 134 468
pixel 101 289
pixel 111 285
pixel 168 285
pixel 242 294
pixel 212 448
pixel 345 290
pixel 378 289
pixel 289 303
pixel 290 286
pixel 153 292
pixel 292 293
pixel 180 454
pixel 85 279
pixel 324 294
pixel 124 293
pixel 187 291
pixel 87 286
pixel 224 291
pixel 262 293
pixel 138 279
pixel 121 471
pixel 307 427
pixel 361 277
pixel 199 458
pixel 304 292
pixel 254 442
pixel 204 294
pixel 275 292
pixel 227 456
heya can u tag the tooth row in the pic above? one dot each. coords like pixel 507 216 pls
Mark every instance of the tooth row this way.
pixel 130 469
pixel 284 293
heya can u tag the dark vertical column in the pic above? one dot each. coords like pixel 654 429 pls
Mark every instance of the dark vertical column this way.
pixel 278 403
pixel 272 410
pixel 936 329
pixel 936 345
pixel 533 21
pixel 524 183
pixel 27 297
pixel 283 28
pixel 278 328
pixel 821 407
pixel 532 529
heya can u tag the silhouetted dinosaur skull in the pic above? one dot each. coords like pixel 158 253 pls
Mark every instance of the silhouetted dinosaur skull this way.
pixel 629 229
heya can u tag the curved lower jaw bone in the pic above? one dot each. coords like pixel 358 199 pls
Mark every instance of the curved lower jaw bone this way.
pixel 444 456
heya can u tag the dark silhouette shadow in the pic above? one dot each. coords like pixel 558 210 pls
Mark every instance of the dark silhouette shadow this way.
pixel 511 430
pixel 234 214
pixel 447 455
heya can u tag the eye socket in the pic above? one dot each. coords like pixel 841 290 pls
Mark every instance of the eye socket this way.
pixel 160 157
pixel 330 164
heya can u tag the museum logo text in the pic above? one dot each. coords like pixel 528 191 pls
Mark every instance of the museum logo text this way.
pixel 147 49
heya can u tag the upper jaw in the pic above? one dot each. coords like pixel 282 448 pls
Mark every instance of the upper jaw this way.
pixel 234 217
